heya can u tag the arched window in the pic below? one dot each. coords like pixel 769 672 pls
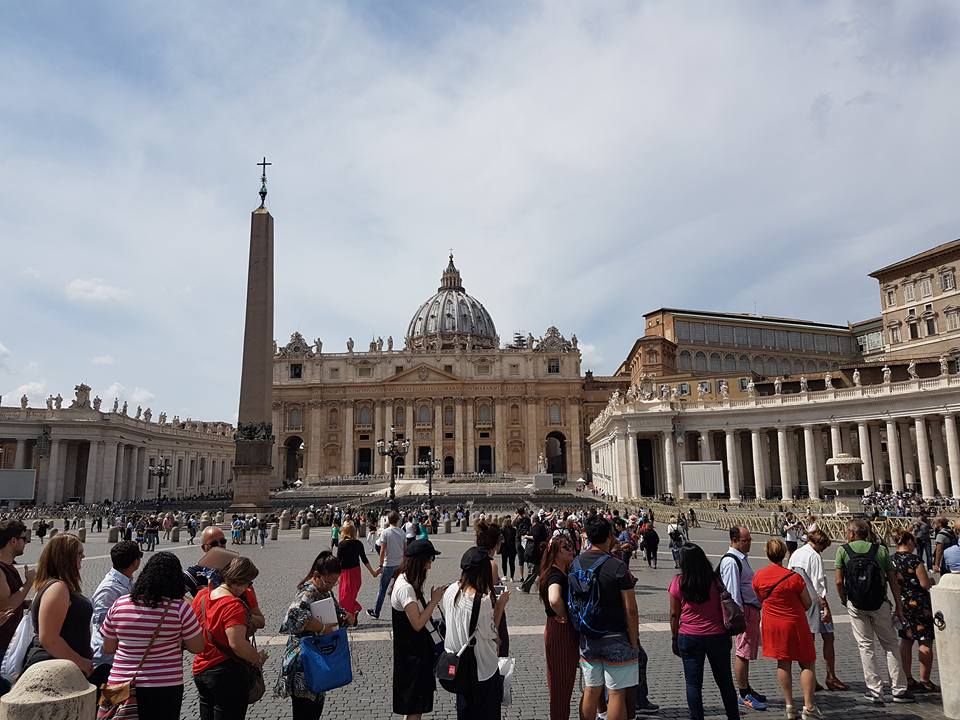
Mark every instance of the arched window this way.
pixel 770 366
pixel 684 361
pixel 514 414
pixel 483 413
pixel 365 416
pixel 333 418
pixel 700 362
pixel 423 414
pixel 553 412
pixel 716 364
pixel 295 419
pixel 729 363
pixel 448 416
pixel 743 364
pixel 399 414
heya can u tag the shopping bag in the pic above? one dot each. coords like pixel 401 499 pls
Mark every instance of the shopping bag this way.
pixel 507 666
pixel 326 661
pixel 16 652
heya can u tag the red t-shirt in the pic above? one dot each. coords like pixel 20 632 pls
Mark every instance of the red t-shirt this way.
pixel 221 614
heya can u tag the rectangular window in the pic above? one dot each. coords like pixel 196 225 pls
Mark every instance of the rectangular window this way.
pixel 483 369
pixel 448 436
pixel 782 342
pixel 743 384
pixel 769 339
pixel 914 331
pixel 697 332
pixel 484 434
pixel 296 371
pixel 713 333
pixel 756 339
pixel 891 298
pixel 514 368
pixel 926 287
pixel 684 388
pixel 948 281
pixel 808 341
pixel 833 344
pixel 334 373
pixel 726 334
pixel 908 292
pixel 553 366
pixel 365 372
pixel 953 320
pixel 931 327
pixel 740 336
pixel 820 343
pixel 682 328
pixel 398 369
pixel 448 369
pixel 796 341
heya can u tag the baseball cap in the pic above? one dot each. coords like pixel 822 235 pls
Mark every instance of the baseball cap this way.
pixel 421 547
pixel 474 557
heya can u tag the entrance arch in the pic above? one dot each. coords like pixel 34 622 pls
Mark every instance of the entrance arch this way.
pixel 293 458
pixel 448 465
pixel 555 451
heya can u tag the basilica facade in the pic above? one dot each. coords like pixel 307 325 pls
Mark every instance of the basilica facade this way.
pixel 462 398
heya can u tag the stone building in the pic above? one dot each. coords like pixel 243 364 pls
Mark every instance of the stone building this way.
pixel 83 453
pixel 773 398
pixel 453 389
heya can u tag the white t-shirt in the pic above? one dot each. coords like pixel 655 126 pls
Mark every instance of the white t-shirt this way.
pixel 410 529
pixel 403 594
pixel 790 532
pixel 392 538
pixel 457 617
pixel 806 561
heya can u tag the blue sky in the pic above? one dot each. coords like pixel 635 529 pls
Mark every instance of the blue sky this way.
pixel 586 162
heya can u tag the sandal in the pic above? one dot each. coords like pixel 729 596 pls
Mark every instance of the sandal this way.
pixel 836 684
pixel 928 686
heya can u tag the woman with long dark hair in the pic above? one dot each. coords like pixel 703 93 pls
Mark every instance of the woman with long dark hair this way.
pixel 154 609
pixel 696 622
pixel 560 640
pixel 475 587
pixel 413 646
pixel 489 539
pixel 318 584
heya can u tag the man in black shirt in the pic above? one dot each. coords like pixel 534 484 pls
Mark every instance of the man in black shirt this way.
pixel 536 541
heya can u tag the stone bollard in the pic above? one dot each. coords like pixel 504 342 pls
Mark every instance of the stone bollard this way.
pixel 53 531
pixel 446 526
pixel 51 689
pixel 175 535
pixel 82 534
pixel 114 536
pixel 274 531
pixel 35 525
pixel 463 525
pixel 204 524
pixel 945 596
pixel 305 531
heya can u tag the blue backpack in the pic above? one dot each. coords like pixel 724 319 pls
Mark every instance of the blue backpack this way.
pixel 583 596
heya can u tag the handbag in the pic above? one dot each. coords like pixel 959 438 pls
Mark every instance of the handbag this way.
pixel 733 618
pixel 119 701
pixel 256 687
pixel 16 653
pixel 326 661
pixel 457 672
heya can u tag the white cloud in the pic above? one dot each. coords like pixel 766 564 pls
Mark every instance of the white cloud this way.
pixel 35 391
pixel 102 360
pixel 141 395
pixel 115 390
pixel 31 273
pixel 590 358
pixel 94 290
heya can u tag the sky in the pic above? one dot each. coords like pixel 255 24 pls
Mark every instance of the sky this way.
pixel 586 162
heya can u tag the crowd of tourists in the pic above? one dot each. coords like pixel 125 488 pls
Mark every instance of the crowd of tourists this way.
pixel 452 634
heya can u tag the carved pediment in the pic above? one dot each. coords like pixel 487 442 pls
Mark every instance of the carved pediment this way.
pixel 298 347
pixel 553 341
pixel 423 373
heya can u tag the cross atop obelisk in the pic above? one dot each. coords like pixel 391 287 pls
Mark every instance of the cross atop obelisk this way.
pixel 263 180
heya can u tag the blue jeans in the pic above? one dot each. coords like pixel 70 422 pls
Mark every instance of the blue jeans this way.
pixel 385 578
pixel 715 648
pixel 924 548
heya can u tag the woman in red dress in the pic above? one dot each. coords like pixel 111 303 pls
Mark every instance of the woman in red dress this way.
pixel 786 631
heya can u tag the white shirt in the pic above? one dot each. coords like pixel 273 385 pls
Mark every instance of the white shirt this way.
pixel 808 563
pixel 742 592
pixel 457 617
pixel 409 529
pixel 403 595
pixel 393 539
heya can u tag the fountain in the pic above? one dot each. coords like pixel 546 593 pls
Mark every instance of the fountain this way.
pixel 846 485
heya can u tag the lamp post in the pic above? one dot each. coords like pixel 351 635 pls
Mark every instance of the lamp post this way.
pixel 430 466
pixel 161 472
pixel 393 448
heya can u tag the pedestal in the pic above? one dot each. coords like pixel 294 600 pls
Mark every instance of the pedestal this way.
pixel 945 596
pixel 251 483
pixel 542 481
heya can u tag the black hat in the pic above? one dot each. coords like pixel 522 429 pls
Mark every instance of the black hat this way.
pixel 421 547
pixel 474 557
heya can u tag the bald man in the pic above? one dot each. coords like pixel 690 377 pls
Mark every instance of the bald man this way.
pixel 197 577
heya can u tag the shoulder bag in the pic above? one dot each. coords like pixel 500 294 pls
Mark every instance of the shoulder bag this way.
pixel 326 661
pixel 119 701
pixel 457 672
pixel 733 618
pixel 257 688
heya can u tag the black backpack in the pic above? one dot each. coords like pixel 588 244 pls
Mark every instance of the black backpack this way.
pixel 457 672
pixel 863 579
pixel 951 541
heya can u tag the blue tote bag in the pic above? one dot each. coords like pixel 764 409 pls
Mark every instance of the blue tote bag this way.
pixel 326 661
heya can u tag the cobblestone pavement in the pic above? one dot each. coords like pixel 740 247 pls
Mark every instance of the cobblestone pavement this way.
pixel 282 564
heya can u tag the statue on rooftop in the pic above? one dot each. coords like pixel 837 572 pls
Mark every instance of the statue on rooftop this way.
pixel 23 402
pixel 123 410
pixel 147 415
pixel 350 345
pixel 912 370
pixel 139 413
pixel 828 381
pixel 887 374
pixel 777 386
pixel 390 343
pixel 97 402
pixel 803 384
pixel 116 405
pixel 856 377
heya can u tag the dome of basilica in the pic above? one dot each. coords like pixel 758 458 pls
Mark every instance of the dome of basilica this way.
pixel 451 319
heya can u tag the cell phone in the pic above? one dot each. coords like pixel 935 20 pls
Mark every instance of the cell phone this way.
pixel 497 589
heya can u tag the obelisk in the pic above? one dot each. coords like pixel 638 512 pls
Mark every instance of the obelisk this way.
pixel 253 464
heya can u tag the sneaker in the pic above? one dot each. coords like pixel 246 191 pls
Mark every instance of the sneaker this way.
pixel 758 695
pixel 790 712
pixel 873 699
pixel 370 613
pixel 905 697
pixel 647 708
pixel 811 713
pixel 751 702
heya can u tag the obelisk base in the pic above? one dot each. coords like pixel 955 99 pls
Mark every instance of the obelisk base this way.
pixel 252 475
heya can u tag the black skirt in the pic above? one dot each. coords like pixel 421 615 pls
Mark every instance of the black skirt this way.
pixel 414 682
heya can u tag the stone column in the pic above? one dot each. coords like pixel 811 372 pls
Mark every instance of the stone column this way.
pixel 863 437
pixel 377 435
pixel 533 434
pixel 810 456
pixel 670 461
pixel 500 435
pixel 821 455
pixel 632 486
pixel 953 452
pixel 458 464
pixel 116 492
pixel 939 457
pixel 20 456
pixel 706 448
pixel 437 430
pixel 471 438
pixel 893 452
pixel 923 456
pixel 90 493
pixel 906 456
pixel 733 466
pixel 575 466
pixel 142 475
pixel 759 464
pixel 53 472
pixel 836 443
pixel 876 454
pixel 621 476
pixel 408 433
pixel 349 461
pixel 315 443
pixel 105 482
pixel 783 448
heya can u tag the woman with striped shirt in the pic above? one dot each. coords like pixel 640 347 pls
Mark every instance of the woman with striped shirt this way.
pixel 156 601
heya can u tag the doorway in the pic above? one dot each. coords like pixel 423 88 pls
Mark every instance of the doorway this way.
pixel 364 461
pixel 448 465
pixel 293 458
pixel 485 459
pixel 648 485
pixel 555 451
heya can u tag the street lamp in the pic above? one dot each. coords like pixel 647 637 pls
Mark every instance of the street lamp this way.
pixel 393 449
pixel 430 466
pixel 161 472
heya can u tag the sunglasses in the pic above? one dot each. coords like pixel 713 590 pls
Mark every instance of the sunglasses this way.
pixel 222 542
